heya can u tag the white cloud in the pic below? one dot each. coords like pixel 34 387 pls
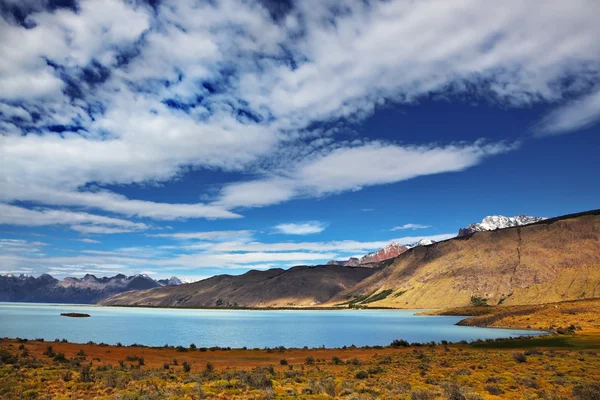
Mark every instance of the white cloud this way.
pixel 578 114
pixel 352 168
pixel 270 81
pixel 209 235
pixel 306 228
pixel 78 221
pixel 87 240
pixel 410 226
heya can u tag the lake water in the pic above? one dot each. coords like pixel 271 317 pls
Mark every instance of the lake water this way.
pixel 235 328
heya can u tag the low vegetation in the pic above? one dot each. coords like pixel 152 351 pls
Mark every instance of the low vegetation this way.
pixel 554 367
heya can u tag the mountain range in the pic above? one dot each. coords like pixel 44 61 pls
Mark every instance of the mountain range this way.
pixel 86 290
pixel 528 263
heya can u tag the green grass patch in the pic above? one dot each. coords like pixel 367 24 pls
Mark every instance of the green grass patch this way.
pixel 379 296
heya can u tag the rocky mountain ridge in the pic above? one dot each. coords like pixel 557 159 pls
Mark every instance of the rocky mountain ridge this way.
pixel 85 290
pixel 493 222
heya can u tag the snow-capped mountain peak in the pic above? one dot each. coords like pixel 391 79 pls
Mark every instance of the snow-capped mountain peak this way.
pixel 494 222
pixel 422 242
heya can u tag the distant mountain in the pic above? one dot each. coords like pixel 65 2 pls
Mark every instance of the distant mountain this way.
pixel 552 260
pixel 86 290
pixel 351 262
pixel 301 286
pixel 172 281
pixel 422 242
pixel 392 250
pixel 494 222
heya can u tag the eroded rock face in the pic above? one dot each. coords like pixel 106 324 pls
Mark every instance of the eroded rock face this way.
pixel 392 250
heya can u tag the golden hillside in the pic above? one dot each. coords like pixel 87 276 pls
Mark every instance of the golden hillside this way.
pixel 550 261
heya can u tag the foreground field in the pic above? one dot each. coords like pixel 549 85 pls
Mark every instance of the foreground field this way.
pixel 565 365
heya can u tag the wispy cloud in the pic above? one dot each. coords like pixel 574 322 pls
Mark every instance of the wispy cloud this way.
pixel 78 221
pixel 305 228
pixel 87 240
pixel 573 116
pixel 410 226
pixel 209 235
pixel 352 168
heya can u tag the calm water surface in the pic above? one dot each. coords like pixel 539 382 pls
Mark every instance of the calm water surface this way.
pixel 234 328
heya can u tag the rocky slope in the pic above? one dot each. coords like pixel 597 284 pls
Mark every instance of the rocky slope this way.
pixel 390 251
pixel 493 222
pixel 301 286
pixel 547 261
pixel 89 289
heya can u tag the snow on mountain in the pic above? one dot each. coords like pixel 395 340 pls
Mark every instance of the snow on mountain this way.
pixel 494 222
pixel 172 281
pixel 422 242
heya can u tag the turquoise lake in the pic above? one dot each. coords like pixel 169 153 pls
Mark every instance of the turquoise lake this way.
pixel 235 328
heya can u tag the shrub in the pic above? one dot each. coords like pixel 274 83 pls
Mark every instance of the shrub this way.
pixel 422 395
pixel 166 366
pixel 494 389
pixel 336 360
pixel 588 391
pixel 209 368
pixel 399 343
pixel 141 361
pixel 67 376
pixel 478 301
pixel 192 347
pixel 85 373
pixel 49 352
pixel 60 357
pixel 181 349
pixel 520 357
pixel 6 357
pixel 283 361
pixel 309 360
pixel 186 366
pixel 81 353
pixel 362 375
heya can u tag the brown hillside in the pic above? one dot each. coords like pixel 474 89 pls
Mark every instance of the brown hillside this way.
pixel 553 260
pixel 297 287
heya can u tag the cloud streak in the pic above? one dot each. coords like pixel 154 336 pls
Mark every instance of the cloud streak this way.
pixel 306 228
pixel 410 226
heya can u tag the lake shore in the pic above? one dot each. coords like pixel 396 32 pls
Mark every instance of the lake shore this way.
pixel 514 369
pixel 555 366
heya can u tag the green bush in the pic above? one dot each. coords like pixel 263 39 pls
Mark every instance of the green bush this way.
pixel 186 366
pixel 478 301
pixel 362 375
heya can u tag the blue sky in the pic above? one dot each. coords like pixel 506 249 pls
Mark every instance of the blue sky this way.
pixel 198 138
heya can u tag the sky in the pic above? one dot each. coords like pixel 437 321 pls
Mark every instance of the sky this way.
pixel 194 138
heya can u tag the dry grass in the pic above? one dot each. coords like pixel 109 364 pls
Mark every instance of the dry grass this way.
pixel 552 367
pixel 581 316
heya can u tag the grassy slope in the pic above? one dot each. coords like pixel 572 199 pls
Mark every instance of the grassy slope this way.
pixel 545 262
